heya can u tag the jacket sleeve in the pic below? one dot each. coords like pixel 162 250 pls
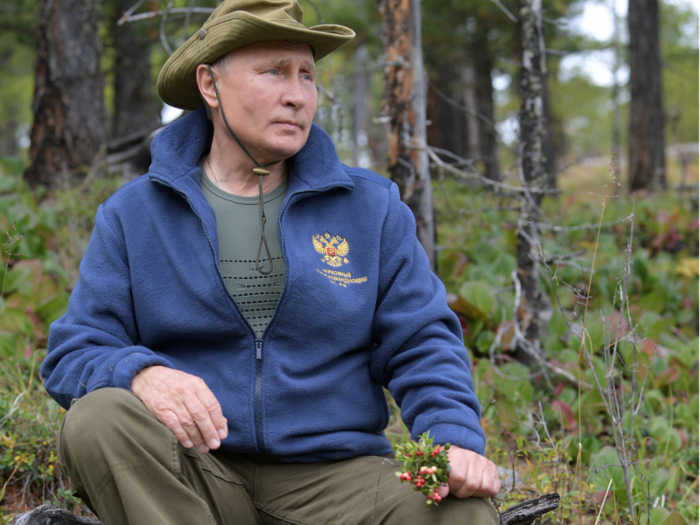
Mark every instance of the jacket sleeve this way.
pixel 93 344
pixel 419 353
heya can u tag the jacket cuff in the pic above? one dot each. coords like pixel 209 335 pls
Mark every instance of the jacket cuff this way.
pixel 461 436
pixel 132 364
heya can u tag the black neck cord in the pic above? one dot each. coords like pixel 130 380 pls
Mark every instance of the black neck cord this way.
pixel 260 171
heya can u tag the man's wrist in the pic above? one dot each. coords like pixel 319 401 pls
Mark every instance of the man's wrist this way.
pixel 141 375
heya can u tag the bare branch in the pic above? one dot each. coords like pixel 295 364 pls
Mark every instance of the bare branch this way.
pixel 555 228
pixel 316 10
pixel 506 11
pixel 163 38
pixel 474 175
pixel 160 12
pixel 128 13
pixel 187 20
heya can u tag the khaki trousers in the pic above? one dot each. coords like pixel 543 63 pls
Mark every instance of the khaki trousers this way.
pixel 130 469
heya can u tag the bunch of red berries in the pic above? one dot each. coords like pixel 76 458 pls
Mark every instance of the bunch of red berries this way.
pixel 424 465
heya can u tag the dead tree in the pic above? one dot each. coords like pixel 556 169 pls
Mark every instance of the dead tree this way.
pixel 403 107
pixel 533 301
pixel 69 113
pixel 136 106
pixel 647 162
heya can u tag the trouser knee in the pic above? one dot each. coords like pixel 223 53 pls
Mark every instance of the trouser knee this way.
pixel 107 427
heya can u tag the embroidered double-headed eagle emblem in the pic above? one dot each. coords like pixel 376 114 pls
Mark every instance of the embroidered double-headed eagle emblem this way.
pixel 334 249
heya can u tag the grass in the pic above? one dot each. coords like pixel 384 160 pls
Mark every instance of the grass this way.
pixel 534 424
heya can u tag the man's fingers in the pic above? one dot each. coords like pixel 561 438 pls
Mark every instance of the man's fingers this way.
pixel 172 422
pixel 211 404
pixel 491 484
pixel 191 426
pixel 184 404
pixel 472 475
pixel 200 423
pixel 462 482
pixel 458 477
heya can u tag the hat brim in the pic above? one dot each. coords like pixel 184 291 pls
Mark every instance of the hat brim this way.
pixel 177 83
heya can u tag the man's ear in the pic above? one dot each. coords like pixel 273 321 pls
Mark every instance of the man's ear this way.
pixel 206 87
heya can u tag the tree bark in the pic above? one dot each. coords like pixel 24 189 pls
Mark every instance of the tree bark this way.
pixel 533 302
pixel 647 162
pixel 68 105
pixel 549 145
pixel 360 95
pixel 488 145
pixel 404 106
pixel 550 148
pixel 136 107
pixel 448 129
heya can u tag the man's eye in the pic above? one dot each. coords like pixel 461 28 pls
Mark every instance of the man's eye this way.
pixel 273 71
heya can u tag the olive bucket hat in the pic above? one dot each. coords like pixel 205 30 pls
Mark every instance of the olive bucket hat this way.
pixel 237 23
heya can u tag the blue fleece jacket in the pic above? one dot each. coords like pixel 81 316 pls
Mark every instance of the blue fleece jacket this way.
pixel 360 310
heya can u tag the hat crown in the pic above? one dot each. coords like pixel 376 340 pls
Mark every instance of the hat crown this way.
pixel 277 10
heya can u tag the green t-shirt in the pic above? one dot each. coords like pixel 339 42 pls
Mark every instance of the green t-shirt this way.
pixel 238 230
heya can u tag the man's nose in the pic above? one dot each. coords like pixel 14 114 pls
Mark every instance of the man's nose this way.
pixel 294 94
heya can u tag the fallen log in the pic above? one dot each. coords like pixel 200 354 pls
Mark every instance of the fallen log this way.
pixel 528 511
pixel 52 515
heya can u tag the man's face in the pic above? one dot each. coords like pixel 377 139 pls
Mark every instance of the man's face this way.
pixel 268 91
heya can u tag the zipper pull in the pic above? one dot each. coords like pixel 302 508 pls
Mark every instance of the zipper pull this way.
pixel 258 349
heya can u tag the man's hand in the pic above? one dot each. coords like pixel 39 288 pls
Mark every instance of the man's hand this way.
pixel 184 404
pixel 471 475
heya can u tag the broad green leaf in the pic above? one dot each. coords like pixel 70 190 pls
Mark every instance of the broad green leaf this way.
pixel 608 456
pixel 552 344
pixel 15 321
pixel 478 293
pixel 654 301
pixel 658 427
pixel 557 324
pixel 659 515
pixel 671 442
pixel 667 377
pixel 467 309
pixel 504 264
pixel 639 269
pixel 657 483
pixel 53 308
pixel 674 519
pixel 16 278
pixel 8 343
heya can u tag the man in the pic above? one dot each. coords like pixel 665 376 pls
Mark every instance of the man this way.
pixel 223 368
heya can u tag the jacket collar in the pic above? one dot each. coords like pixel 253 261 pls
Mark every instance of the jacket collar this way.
pixel 177 149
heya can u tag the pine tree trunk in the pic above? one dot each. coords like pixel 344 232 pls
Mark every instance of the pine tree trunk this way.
pixel 533 302
pixel 404 105
pixel 68 102
pixel 448 129
pixel 136 107
pixel 647 162
pixel 488 146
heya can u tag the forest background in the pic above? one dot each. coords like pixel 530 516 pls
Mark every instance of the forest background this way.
pixel 587 372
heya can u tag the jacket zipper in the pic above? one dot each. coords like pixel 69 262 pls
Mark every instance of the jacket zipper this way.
pixel 258 342
pixel 258 396
pixel 260 441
